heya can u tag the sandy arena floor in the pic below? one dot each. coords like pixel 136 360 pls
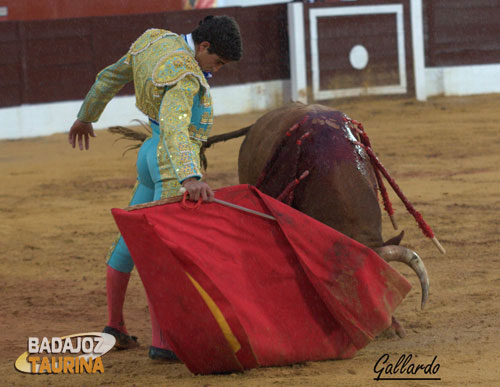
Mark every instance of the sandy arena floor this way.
pixel 56 229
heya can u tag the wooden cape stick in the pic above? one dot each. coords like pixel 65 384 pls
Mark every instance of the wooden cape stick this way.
pixel 176 199
pixel 173 199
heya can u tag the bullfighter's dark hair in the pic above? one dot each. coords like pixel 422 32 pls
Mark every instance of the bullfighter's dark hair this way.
pixel 223 34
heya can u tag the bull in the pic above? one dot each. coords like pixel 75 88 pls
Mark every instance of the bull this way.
pixel 310 157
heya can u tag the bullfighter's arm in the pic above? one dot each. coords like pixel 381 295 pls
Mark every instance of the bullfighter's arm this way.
pixel 177 148
pixel 108 82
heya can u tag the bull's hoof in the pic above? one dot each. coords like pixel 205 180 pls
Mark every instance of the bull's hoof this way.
pixel 398 328
pixel 395 330
pixel 156 353
pixel 123 341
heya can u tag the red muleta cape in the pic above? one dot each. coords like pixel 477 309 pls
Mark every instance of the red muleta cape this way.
pixel 234 291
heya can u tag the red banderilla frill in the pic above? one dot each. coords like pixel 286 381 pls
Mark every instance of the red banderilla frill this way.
pixel 379 168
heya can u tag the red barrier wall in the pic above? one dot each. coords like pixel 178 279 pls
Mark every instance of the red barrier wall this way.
pixel 57 60
pixel 461 32
pixel 64 9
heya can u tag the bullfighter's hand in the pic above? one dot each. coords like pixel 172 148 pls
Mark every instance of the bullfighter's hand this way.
pixel 81 130
pixel 197 189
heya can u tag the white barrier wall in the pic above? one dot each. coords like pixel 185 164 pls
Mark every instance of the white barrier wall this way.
pixel 45 119
pixel 462 80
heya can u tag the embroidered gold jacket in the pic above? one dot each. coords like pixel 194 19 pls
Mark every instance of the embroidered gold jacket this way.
pixel 171 89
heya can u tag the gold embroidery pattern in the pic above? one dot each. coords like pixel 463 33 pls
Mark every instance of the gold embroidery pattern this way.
pixel 206 100
pixel 175 113
pixel 175 66
pixel 147 39
pixel 170 188
pixel 207 118
pixel 202 120
pixel 199 137
pixel 149 96
pixel 164 165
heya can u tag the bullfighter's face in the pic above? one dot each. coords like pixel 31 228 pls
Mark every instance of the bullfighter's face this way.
pixel 208 62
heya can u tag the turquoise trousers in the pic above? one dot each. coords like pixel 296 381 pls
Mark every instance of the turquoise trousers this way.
pixel 147 189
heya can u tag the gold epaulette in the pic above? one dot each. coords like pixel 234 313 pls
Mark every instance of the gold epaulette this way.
pixel 147 39
pixel 176 65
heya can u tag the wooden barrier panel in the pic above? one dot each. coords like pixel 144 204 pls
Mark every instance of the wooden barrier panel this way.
pixel 57 60
pixel 462 32
pixel 18 10
pixel 377 34
pixel 11 77
pixel 356 48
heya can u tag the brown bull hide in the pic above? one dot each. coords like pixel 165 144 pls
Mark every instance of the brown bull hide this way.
pixel 340 190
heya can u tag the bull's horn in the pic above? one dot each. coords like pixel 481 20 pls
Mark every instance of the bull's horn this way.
pixel 405 255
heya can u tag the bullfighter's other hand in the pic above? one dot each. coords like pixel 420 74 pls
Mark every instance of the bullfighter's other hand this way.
pixel 197 189
pixel 81 130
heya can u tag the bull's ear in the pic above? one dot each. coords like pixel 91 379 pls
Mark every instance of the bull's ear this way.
pixel 395 240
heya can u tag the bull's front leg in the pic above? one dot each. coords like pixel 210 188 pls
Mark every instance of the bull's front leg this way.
pixel 398 328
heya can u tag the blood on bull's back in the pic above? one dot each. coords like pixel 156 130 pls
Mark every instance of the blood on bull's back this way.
pixel 340 188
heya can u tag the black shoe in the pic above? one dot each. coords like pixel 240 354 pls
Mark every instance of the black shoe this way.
pixel 123 341
pixel 156 353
